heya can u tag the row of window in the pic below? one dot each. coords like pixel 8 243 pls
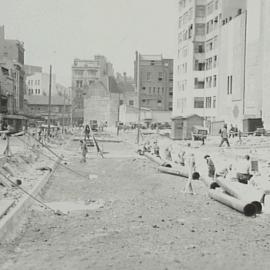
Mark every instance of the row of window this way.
pixel 160 77
pixel 211 44
pixel 79 83
pixel 157 90
pixel 205 102
pixel 212 25
pixel 182 68
pixel 183 3
pixel 32 91
pixel 159 103
pixel 209 82
pixel 185 34
pixel 130 102
pixel 33 82
pixel 87 72
pixel 188 16
pixel 211 7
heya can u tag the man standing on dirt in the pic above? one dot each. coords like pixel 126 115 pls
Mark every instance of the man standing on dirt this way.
pixel 211 166
pixel 84 150
pixel 224 136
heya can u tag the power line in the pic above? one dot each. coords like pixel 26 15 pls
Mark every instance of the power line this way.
pixel 30 195
pixel 75 172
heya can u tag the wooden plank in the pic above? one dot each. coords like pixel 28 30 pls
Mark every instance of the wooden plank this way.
pixel 5 204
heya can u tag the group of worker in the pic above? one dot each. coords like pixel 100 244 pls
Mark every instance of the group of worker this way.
pixel 186 158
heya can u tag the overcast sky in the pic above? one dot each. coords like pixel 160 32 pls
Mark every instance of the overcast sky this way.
pixel 57 31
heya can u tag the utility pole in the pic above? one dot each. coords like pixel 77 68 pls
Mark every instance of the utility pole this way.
pixel 139 97
pixel 118 114
pixel 64 111
pixel 50 100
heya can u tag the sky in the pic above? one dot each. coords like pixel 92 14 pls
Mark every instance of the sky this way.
pixel 57 31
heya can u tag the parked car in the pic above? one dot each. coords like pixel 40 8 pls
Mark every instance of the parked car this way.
pixel 260 132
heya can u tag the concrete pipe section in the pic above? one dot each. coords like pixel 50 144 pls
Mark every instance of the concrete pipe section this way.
pixel 248 209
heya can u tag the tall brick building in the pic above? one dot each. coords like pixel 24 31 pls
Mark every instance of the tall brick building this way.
pixel 156 82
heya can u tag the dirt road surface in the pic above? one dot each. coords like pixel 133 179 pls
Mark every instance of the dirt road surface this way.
pixel 144 222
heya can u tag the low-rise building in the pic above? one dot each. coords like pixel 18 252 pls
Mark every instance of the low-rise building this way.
pixel 60 108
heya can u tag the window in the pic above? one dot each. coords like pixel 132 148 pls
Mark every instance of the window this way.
pixel 154 90
pixel 160 76
pixel 198 84
pixel 198 102
pixel 208 101
pixel 210 8
pixel 131 102
pixel 150 89
pixel 216 4
pixel 121 102
pixel 200 11
pixel 214 101
pixel 215 81
pixel 79 83
pixel 158 90
pixel 148 76
pixel 159 101
pixel 200 29
pixel 229 85
pixel 78 72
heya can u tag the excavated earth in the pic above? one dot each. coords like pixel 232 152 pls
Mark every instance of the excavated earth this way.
pixel 138 219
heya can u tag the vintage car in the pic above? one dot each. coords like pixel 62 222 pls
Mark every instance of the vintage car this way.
pixel 199 133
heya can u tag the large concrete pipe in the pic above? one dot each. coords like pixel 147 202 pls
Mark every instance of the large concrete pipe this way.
pixel 209 182
pixel 243 192
pixel 248 209
pixel 180 171
pixel 154 158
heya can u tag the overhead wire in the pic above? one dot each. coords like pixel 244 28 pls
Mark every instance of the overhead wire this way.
pixel 62 165
pixel 30 195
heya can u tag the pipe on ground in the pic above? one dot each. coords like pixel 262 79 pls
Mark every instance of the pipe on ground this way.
pixel 242 192
pixel 209 182
pixel 180 171
pixel 155 159
pixel 248 209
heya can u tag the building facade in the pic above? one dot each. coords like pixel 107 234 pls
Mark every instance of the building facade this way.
pixel 155 82
pixel 60 108
pixel 84 73
pixel 129 95
pixel 30 69
pixel 38 84
pixel 12 58
pixel 102 102
pixel 197 68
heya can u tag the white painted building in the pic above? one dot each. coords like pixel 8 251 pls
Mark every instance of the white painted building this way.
pixel 196 76
pixel 38 84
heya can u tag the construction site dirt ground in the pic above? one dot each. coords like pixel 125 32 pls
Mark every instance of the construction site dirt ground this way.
pixel 142 221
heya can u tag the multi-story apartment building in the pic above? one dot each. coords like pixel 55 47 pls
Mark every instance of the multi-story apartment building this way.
pixel 155 82
pixel 84 73
pixel 196 75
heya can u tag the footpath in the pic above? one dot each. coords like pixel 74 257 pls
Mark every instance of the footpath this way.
pixel 24 171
